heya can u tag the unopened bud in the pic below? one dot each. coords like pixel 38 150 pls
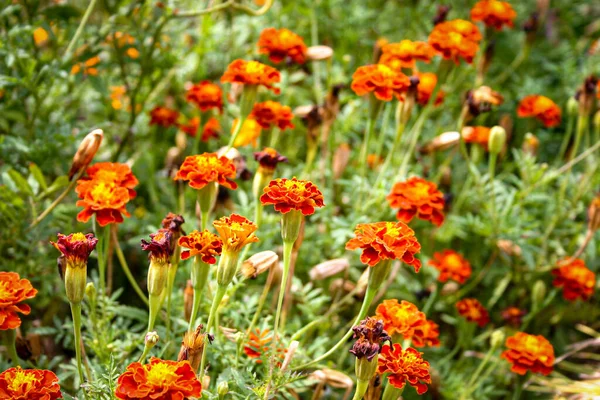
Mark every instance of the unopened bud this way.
pixel 291 223
pixel 497 139
pixel 497 338
pixel 188 300
pixel 317 53
pixel 530 144
pixel 258 263
pixel 86 152
pixel 594 214
pixel 90 292
pixel 538 293
pixel 223 388
pixel 151 339
pixel 328 268
pixel 572 106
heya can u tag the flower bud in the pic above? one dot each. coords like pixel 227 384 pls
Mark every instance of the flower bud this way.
pixel 328 268
pixel 594 214
pixel 572 106
pixel 259 263
pixel 497 139
pixel 538 293
pixel 151 339
pixel 90 292
pixel 341 157
pixel 497 338
pixel 159 249
pixel 530 144
pixel 222 388
pixel 318 53
pixel 291 222
pixel 86 152
pixel 192 347
pixel 188 300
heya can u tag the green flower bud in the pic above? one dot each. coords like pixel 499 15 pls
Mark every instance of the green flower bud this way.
pixel 497 338
pixel 151 339
pixel 572 106
pixel 497 139
pixel 223 388
pixel 538 293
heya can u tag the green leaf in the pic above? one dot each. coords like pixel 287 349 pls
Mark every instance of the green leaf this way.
pixel 20 182
pixel 36 172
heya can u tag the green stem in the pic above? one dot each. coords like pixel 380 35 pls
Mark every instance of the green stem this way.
pixel 261 300
pixel 361 389
pixel 473 382
pixel 10 339
pixel 153 310
pixel 221 290
pixel 144 354
pixel 364 151
pixel 391 392
pixel 199 277
pixel 492 170
pixel 79 30
pixel 523 54
pixel 58 200
pixel 582 124
pixel 236 132
pixel 76 313
pixel 126 269
pixel 567 138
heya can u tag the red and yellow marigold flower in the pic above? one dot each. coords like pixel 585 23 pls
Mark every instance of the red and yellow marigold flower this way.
pixel 529 353
pixel 205 95
pixel 404 366
pixel 272 113
pixel 541 108
pixel 451 265
pixel 381 241
pixel 282 44
pixel 476 134
pixel 456 39
pixel 119 174
pixel 417 197
pixel 292 194
pixel 249 133
pixel 163 116
pixel 427 335
pixel 405 54
pixel 76 247
pixel 29 384
pixel 13 291
pixel 493 13
pixel 204 244
pixel 211 130
pixel 402 318
pixel 159 379
pixel 513 315
pixel 384 82
pixel 473 311
pixel 427 83
pixel 252 73
pixel 575 279
pixel 235 232
pixel 200 170
pixel 159 246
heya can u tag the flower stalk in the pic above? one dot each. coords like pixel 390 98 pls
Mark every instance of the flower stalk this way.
pixel 199 275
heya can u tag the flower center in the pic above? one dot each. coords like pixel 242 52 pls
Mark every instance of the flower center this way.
pixel 161 374
pixel 21 382
pixel 254 67
pixel 385 70
pixel 78 237
pixel 4 292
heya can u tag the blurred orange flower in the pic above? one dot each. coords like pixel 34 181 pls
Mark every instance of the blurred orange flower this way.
pixel 575 279
pixel 380 79
pixel 381 241
pixel 513 315
pixel 163 116
pixel 456 39
pixel 427 335
pixel 249 133
pixel 540 107
pixel 292 194
pixel 280 44
pixel 13 291
pixel 451 266
pixel 87 67
pixel 404 366
pixel 117 95
pixel 29 384
pixel 235 232
pixel 259 344
pixel 476 134
pixel 200 170
pixel 40 36
pixel 271 113
pixel 425 88
pixel 211 129
pixel 252 73
pixel 205 95
pixel 405 54
pixel 191 127
pixel 268 159
pixel 402 318
pixel 159 379
pixel 493 13
pixel 417 197
pixel 473 311
pixel 529 353
pixel 205 244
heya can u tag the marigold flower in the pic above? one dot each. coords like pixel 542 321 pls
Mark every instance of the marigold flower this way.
pixel 476 134
pixel 29 384
pixel 132 53
pixel 117 95
pixel 370 335
pixel 405 54
pixel 13 291
pixel 271 113
pixel 427 83
pixel 122 39
pixel 513 315
pixel 268 159
pixel 75 250
pixel 40 36
pixel 163 116
pixel 252 73
pixel 211 130
pixel 417 197
pixel 427 335
pixel 473 311
pixel 204 244
pixel 280 44
pixel 404 366
pixel 575 279
pixel 159 379
pixel 200 170
pixel 456 39
pixel 529 353
pixel 117 173
pixel 451 266
pixel 493 13
pixel 159 246
pixel 400 318
pixel 205 95
pixel 540 107
pixel 235 232
pixel 380 79
pixel 249 133
pixel 191 126
pixel 259 344
pixel 386 241
pixel 292 194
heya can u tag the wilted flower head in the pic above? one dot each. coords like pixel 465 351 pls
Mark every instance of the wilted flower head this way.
pixel 575 279
pixel 29 384
pixel 235 232
pixel 293 194
pixel 593 214
pixel 419 198
pixel 451 265
pixel 271 113
pixel 473 311
pixel 456 39
pixel 493 13
pixel 404 366
pixel 159 247
pixel 427 335
pixel 513 315
pixel 200 170
pixel 384 82
pixel 268 159
pixel 204 244
pixel 163 116
pixel 482 99
pixel 86 151
pixel 400 318
pixel 173 223
pixel 541 108
pixel 259 263
pixel 381 241
pixel 529 353
pixel 282 44
pixel 192 347
pixel 441 14
pixel 252 73
pixel 205 95
pixel 370 336
pixel 13 291
pixel 76 247
pixel 405 54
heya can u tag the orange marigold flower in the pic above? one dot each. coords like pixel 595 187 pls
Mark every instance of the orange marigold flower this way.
pixel 427 335
pixel 13 291
pixel 211 129
pixel 268 159
pixel 380 79
pixel 200 170
pixel 575 279
pixel 456 39
pixel 205 244
pixel 404 366
pixel 292 194
pixel 191 127
pixel 476 134
pixel 40 36
pixel 29 384
pixel 252 73
pixel 451 266
pixel 117 173
pixel 473 311
pixel 417 197
pixel 271 113
pixel 529 353
pixel 259 344
pixel 280 44
pixel 513 315
pixel 163 116
pixel 405 54
pixel 205 95
pixel 76 247
pixel 493 13
pixel 87 68
pixel 425 88
pixel 117 95
pixel 248 134
pixel 386 241
pixel 540 107
pixel 235 232
pixel 159 379
pixel 402 318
